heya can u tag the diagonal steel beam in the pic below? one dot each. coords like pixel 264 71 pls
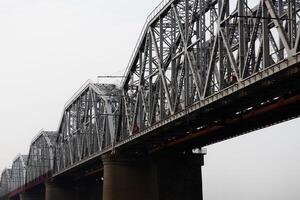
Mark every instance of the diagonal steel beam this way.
pixel 162 75
pixel 232 60
pixel 278 25
pixel 193 70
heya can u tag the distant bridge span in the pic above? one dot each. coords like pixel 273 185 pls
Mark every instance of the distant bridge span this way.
pixel 201 72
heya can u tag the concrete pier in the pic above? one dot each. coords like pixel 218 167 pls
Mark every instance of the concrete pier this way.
pixel 32 196
pixel 60 191
pixel 90 189
pixel 168 177
pixel 180 177
pixel 129 178
pixel 36 193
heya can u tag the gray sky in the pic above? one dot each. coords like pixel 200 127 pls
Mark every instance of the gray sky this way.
pixel 49 48
pixel 263 165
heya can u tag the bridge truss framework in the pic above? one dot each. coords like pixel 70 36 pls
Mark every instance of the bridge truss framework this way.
pixel 190 54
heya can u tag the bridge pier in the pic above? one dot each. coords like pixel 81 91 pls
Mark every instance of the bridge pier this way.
pixel 180 176
pixel 129 178
pixel 166 177
pixel 90 189
pixel 16 197
pixel 32 196
pixel 60 191
pixel 85 190
pixel 37 193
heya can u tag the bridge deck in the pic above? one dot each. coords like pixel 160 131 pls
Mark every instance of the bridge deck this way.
pixel 220 117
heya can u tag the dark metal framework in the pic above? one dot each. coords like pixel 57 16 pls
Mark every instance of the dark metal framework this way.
pixel 18 173
pixel 190 53
pixel 88 125
pixel 193 49
pixel 41 155
pixel 5 182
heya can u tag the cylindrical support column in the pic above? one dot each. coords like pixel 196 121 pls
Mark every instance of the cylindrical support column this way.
pixel 90 189
pixel 32 196
pixel 129 178
pixel 180 176
pixel 56 191
pixel 36 193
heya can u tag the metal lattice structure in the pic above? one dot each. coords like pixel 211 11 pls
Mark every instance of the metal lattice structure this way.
pixel 88 125
pixel 5 182
pixel 190 55
pixel 18 173
pixel 192 49
pixel 41 155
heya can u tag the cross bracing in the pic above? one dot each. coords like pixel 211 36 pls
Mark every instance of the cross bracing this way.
pixel 18 173
pixel 5 182
pixel 41 155
pixel 88 125
pixel 194 49
pixel 190 54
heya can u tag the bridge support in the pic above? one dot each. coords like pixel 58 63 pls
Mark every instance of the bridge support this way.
pixel 129 178
pixel 90 189
pixel 59 191
pixel 85 190
pixel 36 193
pixel 32 196
pixel 180 176
pixel 166 177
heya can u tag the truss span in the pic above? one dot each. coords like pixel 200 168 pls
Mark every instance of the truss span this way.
pixel 200 66
pixel 5 182
pixel 192 50
pixel 18 173
pixel 41 155
pixel 89 124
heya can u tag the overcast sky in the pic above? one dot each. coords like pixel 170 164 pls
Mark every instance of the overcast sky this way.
pixel 49 48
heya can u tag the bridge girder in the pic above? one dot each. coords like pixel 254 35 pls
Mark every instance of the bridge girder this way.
pixel 5 182
pixel 191 49
pixel 41 155
pixel 88 124
pixel 191 54
pixel 18 173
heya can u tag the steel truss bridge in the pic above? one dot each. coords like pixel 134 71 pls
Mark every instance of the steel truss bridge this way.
pixel 202 71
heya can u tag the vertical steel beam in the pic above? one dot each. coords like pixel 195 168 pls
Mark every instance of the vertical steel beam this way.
pixel 150 97
pixel 292 22
pixel 265 36
pixel 140 119
pixel 281 47
pixel 202 49
pixel 241 25
pixel 186 63
pixel 221 48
